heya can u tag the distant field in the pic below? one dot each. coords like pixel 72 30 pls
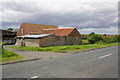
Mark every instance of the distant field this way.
pixel 66 48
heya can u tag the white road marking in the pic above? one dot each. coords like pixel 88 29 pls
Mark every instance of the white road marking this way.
pixel 34 77
pixel 105 56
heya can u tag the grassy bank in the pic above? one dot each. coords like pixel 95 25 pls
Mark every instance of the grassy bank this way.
pixel 66 48
pixel 8 55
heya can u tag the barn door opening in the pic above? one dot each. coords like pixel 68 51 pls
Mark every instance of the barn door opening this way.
pixel 22 42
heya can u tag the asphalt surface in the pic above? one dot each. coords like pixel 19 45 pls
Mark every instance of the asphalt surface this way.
pixel 100 63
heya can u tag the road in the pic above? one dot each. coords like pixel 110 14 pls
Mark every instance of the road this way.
pixel 100 63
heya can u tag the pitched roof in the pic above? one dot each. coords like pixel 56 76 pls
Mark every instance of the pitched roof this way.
pixel 57 31
pixel 36 27
pixel 44 29
pixel 28 28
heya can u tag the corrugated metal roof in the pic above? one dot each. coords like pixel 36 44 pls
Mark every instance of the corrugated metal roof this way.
pixel 33 36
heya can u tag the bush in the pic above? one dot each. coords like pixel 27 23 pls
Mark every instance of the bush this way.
pixel 85 36
pixel 117 38
pixel 94 38
pixel 91 33
pixel 111 39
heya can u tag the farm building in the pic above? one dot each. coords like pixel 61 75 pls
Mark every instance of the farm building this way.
pixel 47 35
pixel 8 37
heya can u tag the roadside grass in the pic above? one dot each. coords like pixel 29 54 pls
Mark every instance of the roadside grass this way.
pixel 66 48
pixel 8 55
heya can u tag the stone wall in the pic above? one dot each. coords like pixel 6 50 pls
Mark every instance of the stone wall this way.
pixel 27 42
pixel 70 40
pixel 18 42
pixel 32 42
pixel 50 40
pixel 60 41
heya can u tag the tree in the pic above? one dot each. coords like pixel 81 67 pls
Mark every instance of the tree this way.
pixel 91 33
pixel 94 38
pixel 9 29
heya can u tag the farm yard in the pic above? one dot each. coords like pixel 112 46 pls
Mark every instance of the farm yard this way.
pixel 89 42
pixel 59 39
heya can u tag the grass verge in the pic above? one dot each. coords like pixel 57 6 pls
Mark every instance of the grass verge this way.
pixel 66 48
pixel 8 55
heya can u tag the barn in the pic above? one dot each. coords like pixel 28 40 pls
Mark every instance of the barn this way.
pixel 37 35
pixel 7 37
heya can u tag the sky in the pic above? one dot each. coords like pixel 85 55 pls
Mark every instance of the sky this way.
pixel 99 16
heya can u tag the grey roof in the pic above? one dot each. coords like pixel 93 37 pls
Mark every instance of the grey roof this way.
pixel 33 36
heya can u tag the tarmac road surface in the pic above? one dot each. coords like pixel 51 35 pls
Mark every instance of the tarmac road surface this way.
pixel 99 63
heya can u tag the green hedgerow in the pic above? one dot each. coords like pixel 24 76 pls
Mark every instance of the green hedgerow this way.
pixel 94 38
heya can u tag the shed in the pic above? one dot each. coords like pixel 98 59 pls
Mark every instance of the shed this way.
pixel 8 37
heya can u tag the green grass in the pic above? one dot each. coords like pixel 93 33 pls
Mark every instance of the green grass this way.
pixel 66 48
pixel 8 55
pixel 84 41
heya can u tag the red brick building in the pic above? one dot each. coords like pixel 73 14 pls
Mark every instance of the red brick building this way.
pixel 47 35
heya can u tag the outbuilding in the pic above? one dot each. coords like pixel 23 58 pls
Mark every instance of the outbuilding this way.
pixel 8 37
pixel 47 35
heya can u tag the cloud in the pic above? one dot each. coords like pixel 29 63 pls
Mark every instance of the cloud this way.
pixel 60 1
pixel 82 15
pixel 110 30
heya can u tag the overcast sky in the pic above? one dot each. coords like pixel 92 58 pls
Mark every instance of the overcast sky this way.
pixel 87 16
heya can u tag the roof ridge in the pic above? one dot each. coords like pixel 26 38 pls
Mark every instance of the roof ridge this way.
pixel 59 28
pixel 72 31
pixel 39 24
pixel 68 28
